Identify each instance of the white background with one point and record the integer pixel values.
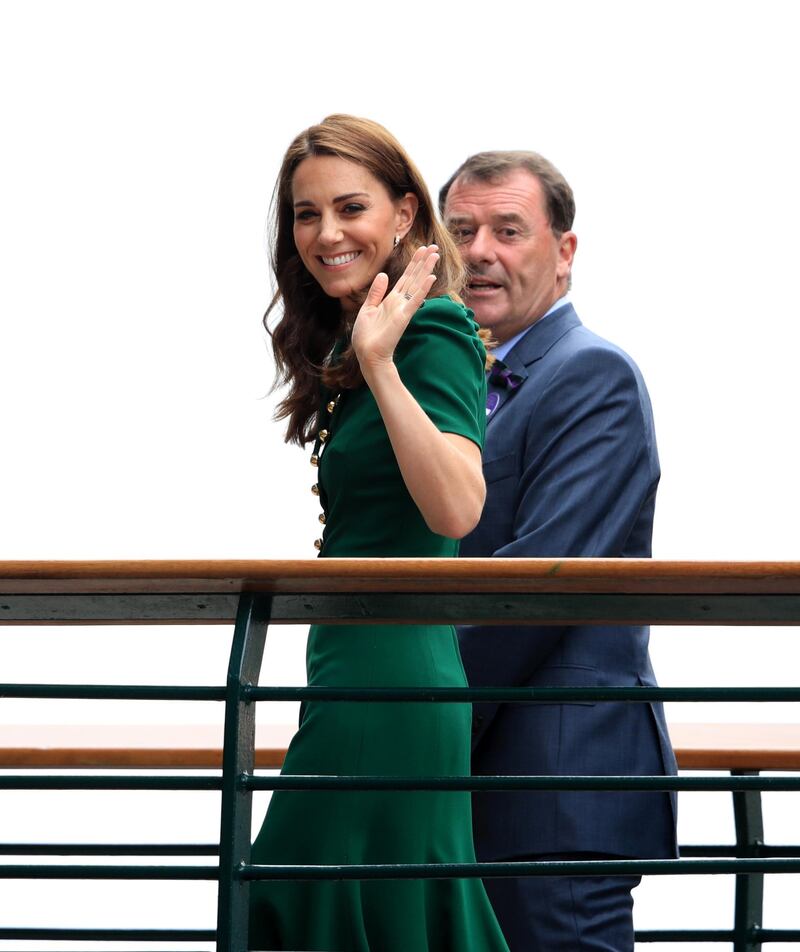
(140, 144)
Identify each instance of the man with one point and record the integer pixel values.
(571, 469)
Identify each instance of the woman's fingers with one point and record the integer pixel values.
(377, 290)
(383, 319)
(414, 268)
(418, 274)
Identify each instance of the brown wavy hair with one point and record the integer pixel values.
(311, 322)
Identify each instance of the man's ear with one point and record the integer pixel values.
(567, 244)
(406, 213)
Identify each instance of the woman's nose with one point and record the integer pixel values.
(329, 231)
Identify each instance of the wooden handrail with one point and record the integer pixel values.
(697, 746)
(129, 746)
(736, 746)
(288, 576)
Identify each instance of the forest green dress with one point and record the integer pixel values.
(370, 513)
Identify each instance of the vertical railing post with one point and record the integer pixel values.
(238, 758)
(749, 909)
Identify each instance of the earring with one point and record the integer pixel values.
(396, 240)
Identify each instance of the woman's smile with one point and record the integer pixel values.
(339, 261)
(345, 223)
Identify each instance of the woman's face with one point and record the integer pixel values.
(345, 224)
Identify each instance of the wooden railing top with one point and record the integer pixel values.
(58, 746)
(287, 576)
(736, 746)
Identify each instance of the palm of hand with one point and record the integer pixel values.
(384, 317)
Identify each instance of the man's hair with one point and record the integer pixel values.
(495, 166)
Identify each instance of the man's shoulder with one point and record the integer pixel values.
(578, 337)
(564, 343)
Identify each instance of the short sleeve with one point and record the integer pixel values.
(441, 360)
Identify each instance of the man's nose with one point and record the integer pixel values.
(481, 248)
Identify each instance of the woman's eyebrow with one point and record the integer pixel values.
(344, 198)
(338, 198)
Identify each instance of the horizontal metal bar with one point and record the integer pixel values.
(521, 695)
(510, 783)
(107, 782)
(557, 608)
(717, 935)
(109, 849)
(212, 849)
(541, 608)
(685, 935)
(147, 609)
(110, 935)
(35, 871)
(115, 692)
(364, 782)
(528, 695)
(760, 850)
(628, 867)
(624, 867)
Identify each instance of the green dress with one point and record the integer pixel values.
(369, 513)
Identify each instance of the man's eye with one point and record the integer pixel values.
(461, 234)
(509, 232)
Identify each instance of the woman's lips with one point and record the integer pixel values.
(339, 261)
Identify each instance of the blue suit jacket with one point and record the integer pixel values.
(571, 469)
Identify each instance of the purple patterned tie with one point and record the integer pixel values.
(500, 377)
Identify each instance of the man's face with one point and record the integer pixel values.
(518, 267)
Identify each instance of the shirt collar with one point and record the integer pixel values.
(502, 349)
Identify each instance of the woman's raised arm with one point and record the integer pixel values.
(442, 471)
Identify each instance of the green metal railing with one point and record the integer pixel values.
(348, 591)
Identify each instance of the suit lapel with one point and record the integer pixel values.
(532, 347)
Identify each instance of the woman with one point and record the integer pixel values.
(397, 439)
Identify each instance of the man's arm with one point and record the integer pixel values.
(590, 470)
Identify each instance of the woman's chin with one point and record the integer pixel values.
(350, 298)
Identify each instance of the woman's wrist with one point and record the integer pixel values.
(379, 374)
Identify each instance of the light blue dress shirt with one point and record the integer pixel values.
(502, 349)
